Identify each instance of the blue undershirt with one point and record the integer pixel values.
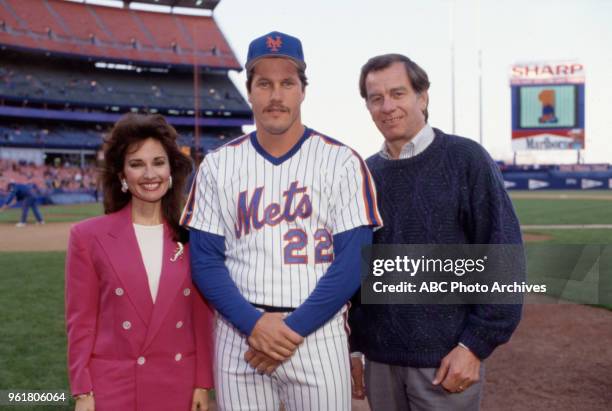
(335, 287)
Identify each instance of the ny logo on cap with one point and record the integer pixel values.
(274, 44)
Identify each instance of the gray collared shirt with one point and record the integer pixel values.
(414, 147)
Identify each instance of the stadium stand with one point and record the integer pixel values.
(57, 183)
(52, 177)
(114, 33)
(50, 136)
(69, 70)
(44, 79)
(68, 136)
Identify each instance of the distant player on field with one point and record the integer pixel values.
(278, 219)
(26, 193)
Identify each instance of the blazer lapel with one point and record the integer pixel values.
(172, 277)
(122, 249)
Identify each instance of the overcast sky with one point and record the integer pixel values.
(339, 36)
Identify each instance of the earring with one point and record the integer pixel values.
(169, 182)
(124, 186)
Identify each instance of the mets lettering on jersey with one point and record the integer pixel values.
(278, 215)
(248, 213)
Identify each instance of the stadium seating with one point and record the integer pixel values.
(91, 137)
(114, 33)
(68, 70)
(48, 80)
(50, 136)
(48, 178)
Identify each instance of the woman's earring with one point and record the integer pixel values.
(124, 186)
(169, 182)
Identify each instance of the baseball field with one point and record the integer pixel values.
(560, 358)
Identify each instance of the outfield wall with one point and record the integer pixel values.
(557, 180)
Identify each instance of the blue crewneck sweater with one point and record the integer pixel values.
(451, 193)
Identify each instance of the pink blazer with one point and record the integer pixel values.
(133, 354)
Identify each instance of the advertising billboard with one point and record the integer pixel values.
(547, 106)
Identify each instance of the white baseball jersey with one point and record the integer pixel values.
(278, 215)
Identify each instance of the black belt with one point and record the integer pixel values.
(271, 309)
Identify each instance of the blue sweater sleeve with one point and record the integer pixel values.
(336, 286)
(492, 220)
(211, 276)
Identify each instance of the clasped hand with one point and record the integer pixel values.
(271, 342)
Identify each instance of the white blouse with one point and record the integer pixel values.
(151, 243)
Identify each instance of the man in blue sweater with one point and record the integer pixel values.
(433, 188)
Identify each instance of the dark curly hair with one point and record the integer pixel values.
(135, 129)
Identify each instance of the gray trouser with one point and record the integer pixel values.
(397, 388)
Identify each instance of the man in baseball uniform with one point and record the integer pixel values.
(278, 218)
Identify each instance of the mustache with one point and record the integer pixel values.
(276, 107)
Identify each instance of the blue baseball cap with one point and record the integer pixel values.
(276, 44)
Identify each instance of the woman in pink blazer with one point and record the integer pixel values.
(139, 333)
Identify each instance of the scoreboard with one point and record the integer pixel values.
(547, 106)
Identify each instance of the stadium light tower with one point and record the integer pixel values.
(479, 28)
(452, 57)
(196, 106)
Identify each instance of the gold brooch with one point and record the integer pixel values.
(179, 251)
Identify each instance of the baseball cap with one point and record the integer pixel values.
(276, 44)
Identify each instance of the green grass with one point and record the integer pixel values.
(530, 210)
(571, 272)
(32, 332)
(570, 211)
(55, 213)
(578, 273)
(553, 262)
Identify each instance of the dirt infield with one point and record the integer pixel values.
(533, 237)
(560, 358)
(54, 237)
(33, 237)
